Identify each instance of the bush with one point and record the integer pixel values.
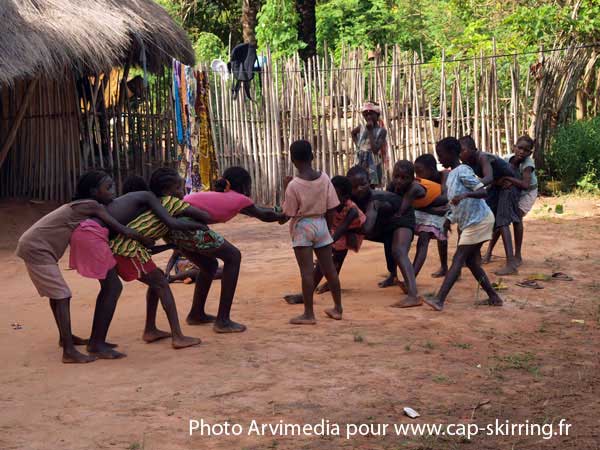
(208, 47)
(574, 155)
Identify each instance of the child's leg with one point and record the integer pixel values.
(339, 257)
(421, 254)
(473, 262)
(106, 303)
(511, 265)
(159, 284)
(151, 332)
(402, 239)
(443, 252)
(207, 268)
(304, 257)
(519, 229)
(327, 266)
(232, 259)
(62, 316)
(390, 263)
(488, 254)
(437, 302)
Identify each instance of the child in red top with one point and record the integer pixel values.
(346, 223)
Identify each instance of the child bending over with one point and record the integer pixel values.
(46, 241)
(475, 221)
(309, 198)
(346, 225)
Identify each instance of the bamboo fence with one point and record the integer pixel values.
(321, 101)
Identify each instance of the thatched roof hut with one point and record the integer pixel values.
(55, 61)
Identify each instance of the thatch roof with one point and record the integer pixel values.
(49, 36)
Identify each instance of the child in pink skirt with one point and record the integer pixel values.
(346, 224)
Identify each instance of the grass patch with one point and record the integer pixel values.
(464, 346)
(135, 446)
(358, 337)
(518, 361)
(441, 379)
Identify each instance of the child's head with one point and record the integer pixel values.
(403, 175)
(371, 112)
(448, 151)
(166, 181)
(359, 179)
(301, 152)
(523, 148)
(343, 188)
(237, 179)
(95, 185)
(134, 183)
(426, 166)
(468, 150)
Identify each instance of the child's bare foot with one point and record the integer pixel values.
(408, 302)
(104, 351)
(304, 320)
(201, 319)
(334, 313)
(440, 273)
(507, 270)
(185, 341)
(492, 301)
(81, 341)
(294, 299)
(155, 335)
(75, 357)
(322, 289)
(433, 302)
(391, 280)
(228, 326)
(518, 261)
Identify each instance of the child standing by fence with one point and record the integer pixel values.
(309, 198)
(526, 181)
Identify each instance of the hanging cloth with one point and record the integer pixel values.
(177, 103)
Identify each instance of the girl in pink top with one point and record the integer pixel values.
(230, 198)
(311, 200)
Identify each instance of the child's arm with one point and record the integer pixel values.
(263, 214)
(161, 248)
(523, 184)
(171, 263)
(99, 211)
(350, 217)
(486, 168)
(416, 191)
(157, 208)
(371, 217)
(198, 215)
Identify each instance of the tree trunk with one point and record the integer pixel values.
(307, 27)
(249, 12)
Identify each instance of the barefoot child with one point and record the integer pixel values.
(346, 225)
(526, 181)
(45, 242)
(474, 219)
(92, 257)
(430, 219)
(370, 142)
(502, 200)
(309, 197)
(135, 263)
(230, 198)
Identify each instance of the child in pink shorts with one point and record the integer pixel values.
(309, 198)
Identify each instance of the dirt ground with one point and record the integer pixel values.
(534, 359)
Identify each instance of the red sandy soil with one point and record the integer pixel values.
(527, 360)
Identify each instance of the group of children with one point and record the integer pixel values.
(113, 238)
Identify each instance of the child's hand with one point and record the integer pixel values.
(447, 226)
(456, 200)
(146, 241)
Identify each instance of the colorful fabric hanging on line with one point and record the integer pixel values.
(196, 155)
